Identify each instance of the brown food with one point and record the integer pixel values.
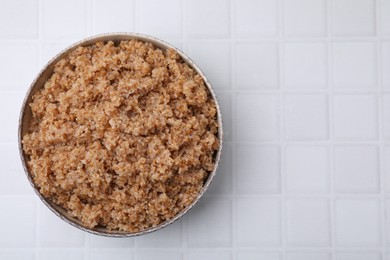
(122, 136)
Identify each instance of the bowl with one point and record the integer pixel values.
(26, 115)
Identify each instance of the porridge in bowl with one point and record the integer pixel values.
(122, 136)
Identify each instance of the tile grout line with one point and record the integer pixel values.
(214, 40)
(283, 232)
(183, 17)
(91, 20)
(380, 132)
(225, 248)
(135, 5)
(233, 85)
(330, 149)
(88, 13)
(309, 143)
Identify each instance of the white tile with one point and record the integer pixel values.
(19, 19)
(214, 60)
(225, 102)
(222, 182)
(354, 65)
(18, 218)
(386, 115)
(9, 159)
(202, 21)
(385, 18)
(308, 256)
(258, 169)
(357, 222)
(304, 17)
(177, 43)
(114, 17)
(54, 232)
(13, 180)
(50, 50)
(355, 117)
(257, 65)
(386, 63)
(307, 169)
(306, 117)
(159, 239)
(257, 255)
(160, 18)
(358, 256)
(209, 255)
(64, 19)
(21, 67)
(60, 254)
(17, 254)
(117, 254)
(256, 18)
(156, 254)
(387, 221)
(15, 183)
(308, 222)
(95, 241)
(258, 222)
(352, 174)
(209, 224)
(353, 18)
(305, 65)
(261, 113)
(10, 105)
(386, 157)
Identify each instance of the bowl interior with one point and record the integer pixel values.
(26, 115)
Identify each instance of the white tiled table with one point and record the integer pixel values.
(305, 90)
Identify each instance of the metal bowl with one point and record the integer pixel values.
(25, 117)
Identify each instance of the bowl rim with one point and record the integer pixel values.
(114, 36)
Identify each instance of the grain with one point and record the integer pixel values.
(122, 135)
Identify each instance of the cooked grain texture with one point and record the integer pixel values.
(122, 136)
